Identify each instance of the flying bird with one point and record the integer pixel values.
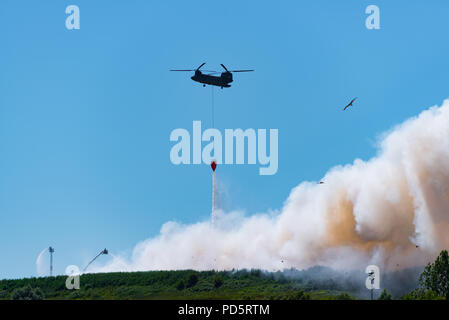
(350, 103)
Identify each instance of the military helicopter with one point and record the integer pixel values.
(221, 81)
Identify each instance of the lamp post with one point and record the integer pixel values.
(51, 250)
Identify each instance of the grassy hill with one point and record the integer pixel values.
(186, 284)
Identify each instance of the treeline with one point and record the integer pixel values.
(184, 284)
(313, 283)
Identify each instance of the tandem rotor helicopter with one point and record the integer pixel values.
(222, 81)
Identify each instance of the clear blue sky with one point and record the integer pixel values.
(85, 115)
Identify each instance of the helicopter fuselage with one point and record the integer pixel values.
(222, 81)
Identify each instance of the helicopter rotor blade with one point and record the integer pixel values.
(194, 70)
(212, 71)
(200, 66)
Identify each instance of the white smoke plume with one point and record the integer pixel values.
(392, 210)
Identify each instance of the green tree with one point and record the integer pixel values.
(218, 281)
(192, 280)
(180, 285)
(27, 293)
(344, 296)
(421, 294)
(298, 295)
(3, 294)
(384, 295)
(435, 276)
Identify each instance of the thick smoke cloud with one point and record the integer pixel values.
(392, 210)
